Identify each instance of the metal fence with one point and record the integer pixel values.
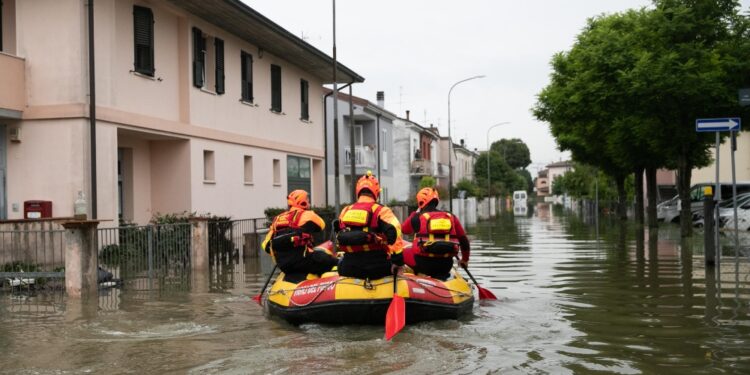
(145, 257)
(228, 243)
(31, 260)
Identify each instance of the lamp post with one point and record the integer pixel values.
(450, 141)
(489, 184)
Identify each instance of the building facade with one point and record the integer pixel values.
(373, 145)
(417, 154)
(200, 106)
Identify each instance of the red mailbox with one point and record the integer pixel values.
(37, 209)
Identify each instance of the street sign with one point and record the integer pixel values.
(744, 95)
(717, 124)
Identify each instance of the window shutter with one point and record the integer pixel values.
(247, 77)
(219, 51)
(143, 38)
(198, 58)
(276, 88)
(304, 99)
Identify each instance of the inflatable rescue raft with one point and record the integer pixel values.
(335, 299)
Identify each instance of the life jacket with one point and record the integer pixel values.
(437, 235)
(358, 227)
(288, 233)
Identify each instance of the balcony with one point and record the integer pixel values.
(421, 167)
(13, 94)
(364, 158)
(443, 170)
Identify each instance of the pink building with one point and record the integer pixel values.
(203, 106)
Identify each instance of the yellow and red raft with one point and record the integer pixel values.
(336, 299)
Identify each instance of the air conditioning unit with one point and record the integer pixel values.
(14, 134)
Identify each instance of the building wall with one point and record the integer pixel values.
(742, 161)
(156, 112)
(403, 155)
(47, 165)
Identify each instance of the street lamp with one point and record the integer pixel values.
(450, 141)
(489, 184)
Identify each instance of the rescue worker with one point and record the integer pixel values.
(289, 240)
(369, 234)
(438, 235)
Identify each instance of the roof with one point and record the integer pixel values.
(560, 164)
(251, 26)
(361, 102)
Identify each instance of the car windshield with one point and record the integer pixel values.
(741, 199)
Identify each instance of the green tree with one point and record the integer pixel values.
(626, 96)
(427, 181)
(503, 178)
(514, 151)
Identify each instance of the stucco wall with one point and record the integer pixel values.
(54, 50)
(742, 162)
(48, 164)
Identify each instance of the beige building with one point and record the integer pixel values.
(462, 163)
(203, 106)
(741, 157)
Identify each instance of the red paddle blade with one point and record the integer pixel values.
(395, 318)
(257, 299)
(485, 294)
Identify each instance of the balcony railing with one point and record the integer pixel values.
(364, 157)
(422, 167)
(13, 77)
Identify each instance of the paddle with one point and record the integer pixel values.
(268, 280)
(395, 318)
(483, 293)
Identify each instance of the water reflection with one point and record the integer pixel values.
(578, 295)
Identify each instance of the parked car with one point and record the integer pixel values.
(669, 211)
(725, 209)
(726, 220)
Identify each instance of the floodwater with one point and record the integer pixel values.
(573, 299)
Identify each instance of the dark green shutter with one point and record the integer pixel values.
(143, 37)
(247, 76)
(198, 57)
(305, 99)
(275, 88)
(219, 50)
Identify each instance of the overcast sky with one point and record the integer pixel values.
(414, 50)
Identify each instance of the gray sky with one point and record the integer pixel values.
(415, 50)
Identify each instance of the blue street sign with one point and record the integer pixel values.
(717, 124)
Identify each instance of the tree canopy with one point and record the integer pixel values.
(514, 151)
(626, 96)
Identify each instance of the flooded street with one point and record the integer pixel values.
(570, 302)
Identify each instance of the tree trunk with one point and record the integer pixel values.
(684, 172)
(651, 192)
(622, 199)
(639, 195)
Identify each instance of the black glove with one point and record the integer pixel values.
(397, 259)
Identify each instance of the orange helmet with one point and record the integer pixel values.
(368, 182)
(298, 198)
(426, 195)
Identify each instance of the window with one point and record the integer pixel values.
(304, 99)
(247, 76)
(297, 173)
(199, 58)
(276, 172)
(1, 26)
(276, 88)
(208, 55)
(248, 169)
(219, 52)
(143, 37)
(208, 166)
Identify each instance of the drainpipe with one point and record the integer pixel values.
(351, 145)
(377, 129)
(92, 109)
(325, 133)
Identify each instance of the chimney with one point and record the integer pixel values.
(462, 143)
(381, 99)
(407, 114)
